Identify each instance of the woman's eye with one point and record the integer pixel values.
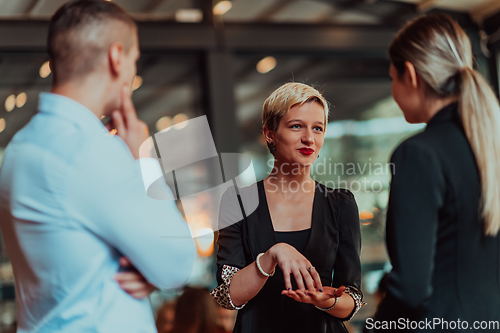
(295, 126)
(320, 129)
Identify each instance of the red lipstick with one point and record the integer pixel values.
(306, 151)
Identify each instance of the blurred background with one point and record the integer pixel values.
(223, 58)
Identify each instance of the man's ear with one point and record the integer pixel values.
(411, 73)
(115, 58)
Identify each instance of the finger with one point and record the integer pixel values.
(137, 287)
(286, 277)
(127, 106)
(319, 296)
(317, 280)
(141, 126)
(124, 262)
(146, 128)
(110, 124)
(130, 277)
(132, 289)
(339, 291)
(308, 279)
(300, 293)
(298, 279)
(133, 286)
(119, 123)
(292, 294)
(139, 295)
(316, 296)
(303, 296)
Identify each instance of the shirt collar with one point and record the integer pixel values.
(70, 110)
(446, 114)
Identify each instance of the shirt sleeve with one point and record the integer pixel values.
(221, 293)
(106, 194)
(416, 196)
(230, 255)
(347, 267)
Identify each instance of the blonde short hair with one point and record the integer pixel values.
(284, 98)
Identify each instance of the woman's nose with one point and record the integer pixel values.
(308, 137)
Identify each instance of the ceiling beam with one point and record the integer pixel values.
(308, 37)
(31, 35)
(23, 35)
(31, 6)
(486, 11)
(153, 5)
(426, 5)
(276, 7)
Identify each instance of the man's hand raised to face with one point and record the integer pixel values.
(132, 281)
(131, 129)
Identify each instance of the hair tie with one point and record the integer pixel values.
(452, 85)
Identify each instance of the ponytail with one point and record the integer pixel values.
(480, 114)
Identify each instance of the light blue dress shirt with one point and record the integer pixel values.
(72, 201)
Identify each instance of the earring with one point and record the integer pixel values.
(272, 149)
(317, 157)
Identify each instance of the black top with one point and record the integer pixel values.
(298, 239)
(333, 247)
(443, 264)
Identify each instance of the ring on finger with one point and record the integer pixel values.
(310, 268)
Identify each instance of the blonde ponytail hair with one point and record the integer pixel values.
(442, 55)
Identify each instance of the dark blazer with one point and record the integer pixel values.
(443, 265)
(333, 248)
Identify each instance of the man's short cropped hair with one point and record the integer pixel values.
(80, 33)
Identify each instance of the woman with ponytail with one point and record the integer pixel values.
(444, 208)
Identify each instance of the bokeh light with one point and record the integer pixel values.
(266, 65)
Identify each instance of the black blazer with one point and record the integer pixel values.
(443, 265)
(333, 248)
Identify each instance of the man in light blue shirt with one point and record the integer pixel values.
(72, 199)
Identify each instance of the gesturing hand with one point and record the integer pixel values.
(132, 130)
(132, 282)
(293, 262)
(320, 299)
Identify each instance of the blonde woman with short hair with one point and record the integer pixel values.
(293, 264)
(444, 207)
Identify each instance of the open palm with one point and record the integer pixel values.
(317, 298)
